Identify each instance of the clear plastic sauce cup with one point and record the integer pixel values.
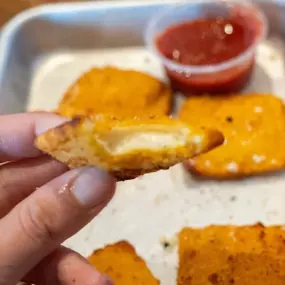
(195, 27)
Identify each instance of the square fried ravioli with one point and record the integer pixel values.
(122, 264)
(228, 255)
(254, 129)
(116, 91)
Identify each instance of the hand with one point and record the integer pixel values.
(41, 205)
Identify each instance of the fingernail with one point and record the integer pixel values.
(48, 121)
(93, 186)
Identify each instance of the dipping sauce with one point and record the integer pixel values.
(209, 42)
(205, 42)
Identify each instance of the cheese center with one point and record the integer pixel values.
(123, 140)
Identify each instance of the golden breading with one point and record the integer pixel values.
(254, 130)
(228, 255)
(129, 147)
(116, 92)
(122, 264)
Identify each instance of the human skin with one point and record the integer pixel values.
(42, 203)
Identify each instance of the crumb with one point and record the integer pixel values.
(233, 198)
(168, 244)
(165, 244)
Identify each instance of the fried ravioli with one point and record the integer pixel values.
(127, 148)
(254, 130)
(223, 255)
(122, 264)
(117, 92)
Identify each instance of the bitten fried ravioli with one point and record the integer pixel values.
(122, 264)
(231, 255)
(127, 148)
(115, 91)
(254, 130)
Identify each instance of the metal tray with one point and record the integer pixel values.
(44, 49)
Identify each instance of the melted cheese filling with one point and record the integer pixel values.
(123, 140)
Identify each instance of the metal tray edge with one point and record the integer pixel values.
(10, 29)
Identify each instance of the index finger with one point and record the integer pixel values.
(18, 132)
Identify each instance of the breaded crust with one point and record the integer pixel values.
(116, 91)
(102, 141)
(231, 255)
(254, 130)
(122, 264)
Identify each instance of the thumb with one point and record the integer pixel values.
(57, 210)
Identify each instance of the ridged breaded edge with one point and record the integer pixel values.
(49, 142)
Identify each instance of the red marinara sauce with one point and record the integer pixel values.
(208, 42)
